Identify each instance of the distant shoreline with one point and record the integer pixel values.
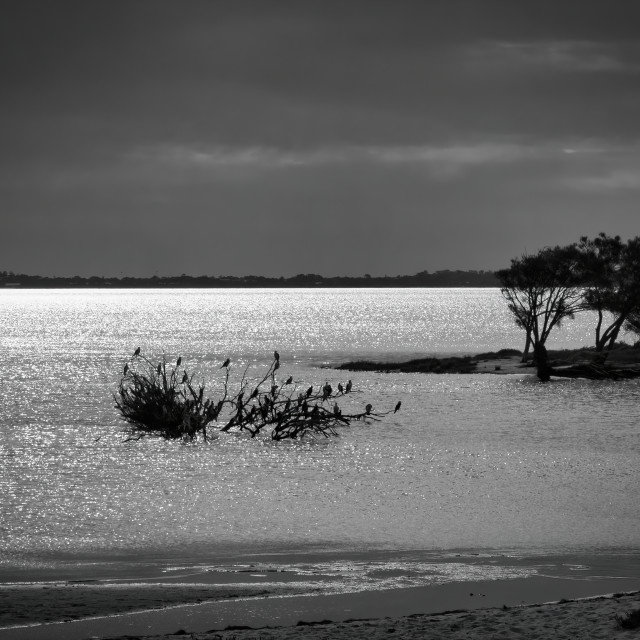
(424, 279)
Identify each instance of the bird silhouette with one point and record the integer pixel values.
(137, 352)
(368, 408)
(276, 355)
(185, 378)
(226, 363)
(289, 380)
(349, 385)
(309, 391)
(179, 362)
(398, 406)
(126, 368)
(340, 387)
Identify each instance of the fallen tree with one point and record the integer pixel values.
(594, 371)
(156, 399)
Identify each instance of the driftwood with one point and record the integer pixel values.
(593, 371)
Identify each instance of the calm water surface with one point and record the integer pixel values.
(478, 463)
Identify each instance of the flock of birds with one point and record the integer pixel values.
(327, 390)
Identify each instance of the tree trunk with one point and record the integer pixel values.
(527, 346)
(542, 362)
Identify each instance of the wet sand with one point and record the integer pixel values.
(505, 608)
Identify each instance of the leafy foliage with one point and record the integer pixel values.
(542, 290)
(155, 399)
(612, 283)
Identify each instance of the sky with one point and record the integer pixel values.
(338, 137)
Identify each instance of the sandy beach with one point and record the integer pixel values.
(586, 619)
(535, 607)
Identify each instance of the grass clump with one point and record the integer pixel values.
(630, 620)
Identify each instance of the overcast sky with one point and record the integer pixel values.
(273, 137)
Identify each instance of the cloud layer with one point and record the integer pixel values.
(355, 137)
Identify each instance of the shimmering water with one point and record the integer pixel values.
(471, 462)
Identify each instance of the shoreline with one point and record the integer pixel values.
(408, 607)
(535, 611)
(502, 362)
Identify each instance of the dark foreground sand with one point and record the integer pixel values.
(486, 609)
(585, 619)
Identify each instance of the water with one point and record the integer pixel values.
(500, 465)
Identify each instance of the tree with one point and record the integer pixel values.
(612, 279)
(157, 400)
(633, 323)
(542, 290)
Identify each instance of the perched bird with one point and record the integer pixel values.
(326, 391)
(254, 393)
(137, 352)
(336, 409)
(226, 363)
(185, 378)
(309, 391)
(348, 386)
(398, 406)
(368, 408)
(179, 362)
(276, 355)
(340, 387)
(126, 368)
(289, 380)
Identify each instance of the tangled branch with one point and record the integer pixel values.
(155, 399)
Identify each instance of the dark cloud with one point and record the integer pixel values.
(285, 137)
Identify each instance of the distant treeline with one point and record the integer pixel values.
(444, 278)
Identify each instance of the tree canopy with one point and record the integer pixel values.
(546, 288)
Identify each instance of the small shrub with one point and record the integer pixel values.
(156, 399)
